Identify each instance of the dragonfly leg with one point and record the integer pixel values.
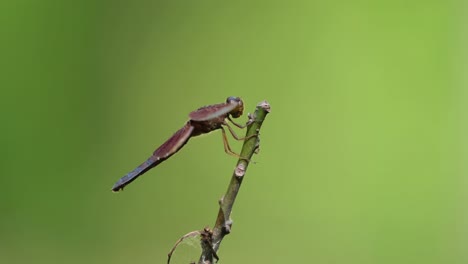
(239, 125)
(234, 135)
(227, 148)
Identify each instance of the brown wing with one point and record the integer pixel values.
(171, 146)
(212, 111)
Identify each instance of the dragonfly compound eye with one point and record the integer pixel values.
(236, 112)
(233, 99)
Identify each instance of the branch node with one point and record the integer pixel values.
(240, 170)
(257, 146)
(207, 242)
(227, 227)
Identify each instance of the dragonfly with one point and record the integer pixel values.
(202, 121)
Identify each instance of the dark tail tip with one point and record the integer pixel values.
(131, 176)
(120, 184)
(117, 188)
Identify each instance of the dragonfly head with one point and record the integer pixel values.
(239, 109)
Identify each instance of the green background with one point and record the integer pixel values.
(363, 157)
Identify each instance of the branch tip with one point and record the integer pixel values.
(265, 105)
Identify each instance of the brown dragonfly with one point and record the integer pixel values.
(202, 121)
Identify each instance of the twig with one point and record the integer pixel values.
(223, 221)
(206, 237)
(191, 234)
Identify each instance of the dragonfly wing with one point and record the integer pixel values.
(176, 142)
(212, 111)
(171, 146)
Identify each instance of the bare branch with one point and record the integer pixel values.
(223, 221)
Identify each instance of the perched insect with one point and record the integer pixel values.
(202, 121)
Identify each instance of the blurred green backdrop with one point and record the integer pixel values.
(363, 158)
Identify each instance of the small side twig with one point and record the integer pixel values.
(206, 236)
(223, 221)
(190, 234)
